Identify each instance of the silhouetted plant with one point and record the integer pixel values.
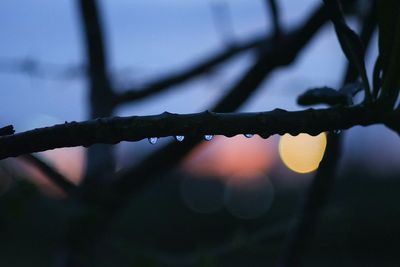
(103, 193)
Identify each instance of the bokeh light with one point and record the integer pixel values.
(249, 198)
(202, 194)
(302, 153)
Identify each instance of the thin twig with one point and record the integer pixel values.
(368, 28)
(35, 68)
(52, 174)
(275, 17)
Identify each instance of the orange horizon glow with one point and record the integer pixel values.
(232, 158)
(68, 161)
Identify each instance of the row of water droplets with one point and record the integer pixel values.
(180, 138)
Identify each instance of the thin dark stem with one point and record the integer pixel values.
(52, 174)
(275, 17)
(100, 159)
(368, 28)
(281, 53)
(43, 70)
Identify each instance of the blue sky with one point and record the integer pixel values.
(149, 38)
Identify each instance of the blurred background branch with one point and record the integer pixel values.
(51, 173)
(131, 207)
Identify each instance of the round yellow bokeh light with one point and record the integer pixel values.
(302, 153)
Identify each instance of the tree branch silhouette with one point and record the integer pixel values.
(173, 79)
(279, 53)
(275, 17)
(44, 70)
(7, 130)
(117, 129)
(322, 184)
(100, 160)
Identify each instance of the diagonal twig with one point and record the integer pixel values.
(176, 78)
(52, 174)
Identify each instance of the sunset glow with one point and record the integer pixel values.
(68, 161)
(236, 157)
(302, 153)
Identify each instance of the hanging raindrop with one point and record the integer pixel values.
(208, 137)
(248, 135)
(153, 140)
(179, 138)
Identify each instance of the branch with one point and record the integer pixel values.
(179, 77)
(280, 52)
(35, 68)
(368, 28)
(7, 130)
(53, 175)
(275, 17)
(316, 199)
(115, 130)
(350, 43)
(100, 160)
(322, 184)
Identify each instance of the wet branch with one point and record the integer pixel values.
(281, 52)
(117, 129)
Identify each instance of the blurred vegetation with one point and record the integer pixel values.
(359, 227)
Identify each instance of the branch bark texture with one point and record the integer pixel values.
(115, 130)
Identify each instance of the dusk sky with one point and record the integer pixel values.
(146, 39)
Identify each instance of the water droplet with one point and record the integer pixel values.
(179, 138)
(248, 135)
(208, 137)
(153, 140)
